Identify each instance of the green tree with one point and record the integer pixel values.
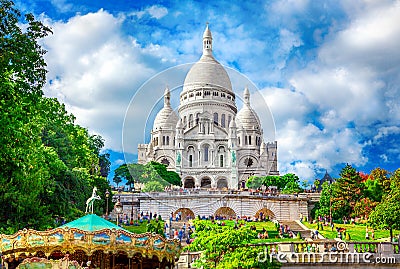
(324, 204)
(23, 173)
(123, 173)
(273, 181)
(170, 177)
(383, 178)
(254, 182)
(291, 183)
(364, 207)
(105, 164)
(373, 190)
(226, 247)
(155, 226)
(153, 186)
(346, 191)
(316, 183)
(386, 214)
(117, 179)
(49, 164)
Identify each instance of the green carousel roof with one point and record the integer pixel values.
(91, 223)
(89, 234)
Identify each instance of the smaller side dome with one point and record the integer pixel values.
(247, 118)
(166, 118)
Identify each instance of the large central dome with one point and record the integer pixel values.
(207, 71)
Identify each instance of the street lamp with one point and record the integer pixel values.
(107, 196)
(118, 209)
(136, 189)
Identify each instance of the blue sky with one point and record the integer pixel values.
(328, 70)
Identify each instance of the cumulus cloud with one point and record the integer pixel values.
(96, 71)
(343, 96)
(156, 12)
(328, 72)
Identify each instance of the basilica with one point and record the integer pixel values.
(208, 142)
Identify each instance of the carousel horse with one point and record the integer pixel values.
(90, 201)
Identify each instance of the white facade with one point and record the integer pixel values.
(209, 143)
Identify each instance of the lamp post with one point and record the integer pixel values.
(118, 209)
(136, 189)
(132, 209)
(107, 196)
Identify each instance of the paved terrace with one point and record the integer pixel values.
(227, 203)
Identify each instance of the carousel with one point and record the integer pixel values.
(88, 242)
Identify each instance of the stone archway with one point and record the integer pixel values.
(189, 183)
(225, 212)
(185, 213)
(222, 183)
(206, 182)
(266, 213)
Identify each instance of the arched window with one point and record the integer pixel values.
(216, 118)
(197, 118)
(167, 140)
(206, 153)
(229, 119)
(223, 120)
(190, 120)
(221, 160)
(190, 160)
(184, 122)
(238, 140)
(249, 139)
(246, 140)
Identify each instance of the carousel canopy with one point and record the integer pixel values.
(90, 234)
(91, 223)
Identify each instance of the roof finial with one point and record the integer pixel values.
(207, 41)
(167, 97)
(246, 96)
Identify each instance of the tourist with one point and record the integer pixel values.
(372, 234)
(180, 235)
(366, 233)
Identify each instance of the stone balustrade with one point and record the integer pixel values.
(318, 252)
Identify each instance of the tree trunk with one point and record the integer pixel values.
(391, 234)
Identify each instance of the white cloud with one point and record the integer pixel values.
(155, 11)
(95, 71)
(119, 162)
(337, 98)
(385, 131)
(61, 5)
(333, 95)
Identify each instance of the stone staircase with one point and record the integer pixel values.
(296, 227)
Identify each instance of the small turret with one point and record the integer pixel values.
(207, 41)
(167, 98)
(246, 96)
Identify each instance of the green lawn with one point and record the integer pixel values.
(357, 232)
(268, 225)
(139, 229)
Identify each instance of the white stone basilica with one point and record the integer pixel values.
(209, 143)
